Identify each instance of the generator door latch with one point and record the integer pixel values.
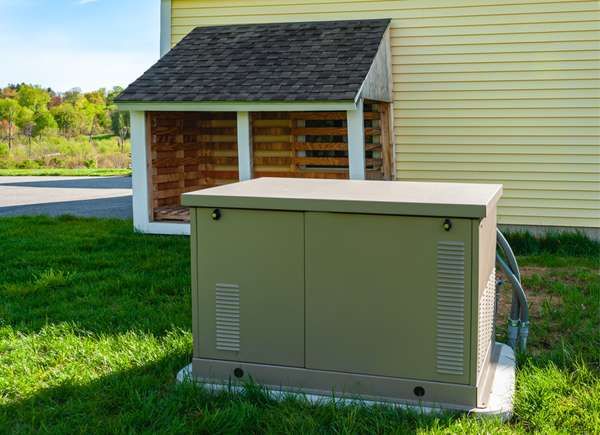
(216, 214)
(447, 224)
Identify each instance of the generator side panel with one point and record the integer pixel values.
(389, 296)
(249, 286)
(484, 312)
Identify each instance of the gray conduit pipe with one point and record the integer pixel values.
(518, 327)
(508, 252)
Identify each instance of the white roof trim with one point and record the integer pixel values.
(238, 106)
(378, 84)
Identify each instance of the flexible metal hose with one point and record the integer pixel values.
(518, 326)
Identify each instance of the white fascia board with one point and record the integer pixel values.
(174, 229)
(378, 85)
(165, 26)
(241, 106)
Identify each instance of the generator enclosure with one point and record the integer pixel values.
(372, 289)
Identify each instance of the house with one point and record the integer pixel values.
(492, 91)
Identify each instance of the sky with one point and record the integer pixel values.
(87, 44)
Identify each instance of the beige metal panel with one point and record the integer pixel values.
(249, 289)
(348, 385)
(381, 197)
(372, 299)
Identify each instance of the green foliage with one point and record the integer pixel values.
(573, 244)
(9, 109)
(28, 164)
(90, 163)
(72, 152)
(33, 97)
(64, 172)
(3, 150)
(43, 121)
(67, 118)
(96, 322)
(26, 118)
(42, 126)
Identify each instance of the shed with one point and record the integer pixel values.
(235, 102)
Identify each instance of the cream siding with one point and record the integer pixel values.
(499, 91)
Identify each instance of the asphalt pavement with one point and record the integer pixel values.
(104, 197)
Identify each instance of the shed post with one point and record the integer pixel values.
(244, 142)
(356, 142)
(140, 171)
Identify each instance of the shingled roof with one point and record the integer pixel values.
(311, 61)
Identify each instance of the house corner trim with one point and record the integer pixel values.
(165, 26)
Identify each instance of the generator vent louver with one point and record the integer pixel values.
(487, 310)
(227, 305)
(450, 325)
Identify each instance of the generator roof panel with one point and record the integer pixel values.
(352, 196)
(310, 61)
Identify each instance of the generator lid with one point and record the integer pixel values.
(352, 196)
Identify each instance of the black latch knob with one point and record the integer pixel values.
(447, 224)
(216, 214)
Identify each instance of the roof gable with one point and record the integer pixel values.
(315, 61)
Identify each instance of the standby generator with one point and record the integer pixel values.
(374, 290)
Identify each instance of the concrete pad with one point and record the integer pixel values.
(500, 403)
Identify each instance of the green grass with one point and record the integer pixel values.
(95, 323)
(65, 172)
(566, 244)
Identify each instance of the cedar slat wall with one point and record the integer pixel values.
(313, 144)
(190, 151)
(196, 150)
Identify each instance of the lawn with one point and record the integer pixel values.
(95, 323)
(87, 172)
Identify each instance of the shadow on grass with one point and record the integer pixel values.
(96, 273)
(147, 399)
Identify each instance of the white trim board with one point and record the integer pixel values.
(165, 228)
(139, 176)
(244, 143)
(165, 26)
(238, 106)
(356, 142)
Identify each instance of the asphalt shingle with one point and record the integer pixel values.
(314, 61)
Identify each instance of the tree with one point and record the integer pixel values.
(121, 126)
(91, 114)
(26, 123)
(67, 118)
(33, 97)
(42, 121)
(113, 94)
(96, 97)
(72, 96)
(9, 112)
(8, 92)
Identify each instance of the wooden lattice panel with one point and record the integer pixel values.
(313, 144)
(189, 151)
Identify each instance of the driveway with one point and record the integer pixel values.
(106, 197)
